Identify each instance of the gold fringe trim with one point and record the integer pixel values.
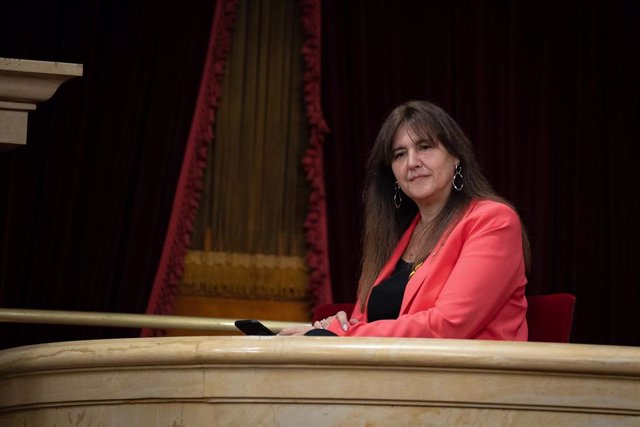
(237, 275)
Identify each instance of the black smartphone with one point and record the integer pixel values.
(253, 327)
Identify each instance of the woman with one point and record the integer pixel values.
(444, 256)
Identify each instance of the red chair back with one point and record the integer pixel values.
(549, 317)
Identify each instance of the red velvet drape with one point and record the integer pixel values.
(190, 185)
(316, 222)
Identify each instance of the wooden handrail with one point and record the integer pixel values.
(122, 320)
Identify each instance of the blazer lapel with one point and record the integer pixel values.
(420, 278)
(415, 283)
(432, 264)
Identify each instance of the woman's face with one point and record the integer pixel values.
(423, 168)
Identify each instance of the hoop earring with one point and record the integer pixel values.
(458, 176)
(397, 196)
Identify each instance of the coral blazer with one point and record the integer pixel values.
(471, 285)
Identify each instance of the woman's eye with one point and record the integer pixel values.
(424, 146)
(398, 154)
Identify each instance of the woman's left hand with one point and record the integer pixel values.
(342, 318)
(320, 324)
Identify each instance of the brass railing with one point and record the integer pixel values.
(85, 318)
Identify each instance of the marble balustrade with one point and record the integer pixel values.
(304, 381)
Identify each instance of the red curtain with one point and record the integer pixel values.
(189, 186)
(316, 222)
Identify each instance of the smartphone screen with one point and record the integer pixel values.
(253, 327)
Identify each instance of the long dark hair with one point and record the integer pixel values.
(384, 224)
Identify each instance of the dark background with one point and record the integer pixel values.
(84, 206)
(548, 93)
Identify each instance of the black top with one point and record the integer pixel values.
(386, 298)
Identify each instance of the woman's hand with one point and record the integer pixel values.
(342, 318)
(320, 324)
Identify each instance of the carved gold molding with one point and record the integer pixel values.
(236, 275)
